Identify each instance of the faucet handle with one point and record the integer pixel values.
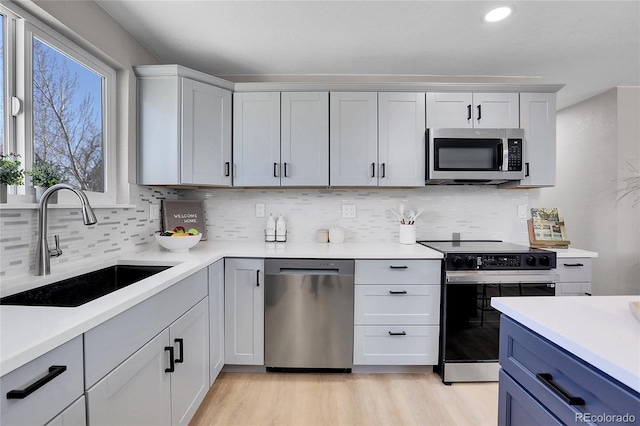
(56, 251)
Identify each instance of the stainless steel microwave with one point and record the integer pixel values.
(474, 156)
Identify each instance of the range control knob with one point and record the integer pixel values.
(470, 261)
(458, 262)
(545, 261)
(531, 260)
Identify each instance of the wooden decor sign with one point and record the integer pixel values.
(188, 214)
(546, 229)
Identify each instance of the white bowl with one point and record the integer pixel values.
(178, 244)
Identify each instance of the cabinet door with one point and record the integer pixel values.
(206, 134)
(538, 118)
(244, 311)
(74, 415)
(137, 392)
(401, 143)
(190, 382)
(216, 319)
(256, 139)
(449, 110)
(517, 407)
(305, 139)
(496, 111)
(353, 139)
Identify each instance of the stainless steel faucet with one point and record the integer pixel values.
(43, 253)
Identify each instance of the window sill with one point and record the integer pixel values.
(34, 206)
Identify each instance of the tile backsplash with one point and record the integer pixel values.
(473, 211)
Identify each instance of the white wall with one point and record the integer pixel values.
(595, 139)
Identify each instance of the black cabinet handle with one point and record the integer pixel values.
(54, 371)
(398, 292)
(469, 112)
(258, 277)
(180, 358)
(479, 112)
(227, 169)
(547, 380)
(384, 170)
(172, 365)
(572, 264)
(587, 294)
(402, 333)
(526, 168)
(398, 267)
(285, 170)
(275, 165)
(373, 169)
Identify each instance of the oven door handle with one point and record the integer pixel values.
(494, 278)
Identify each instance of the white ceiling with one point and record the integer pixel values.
(589, 46)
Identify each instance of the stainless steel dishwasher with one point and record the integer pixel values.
(308, 314)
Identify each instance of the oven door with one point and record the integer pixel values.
(470, 325)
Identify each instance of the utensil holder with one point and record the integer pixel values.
(407, 234)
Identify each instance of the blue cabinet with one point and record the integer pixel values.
(539, 375)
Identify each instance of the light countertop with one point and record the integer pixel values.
(600, 330)
(573, 252)
(30, 331)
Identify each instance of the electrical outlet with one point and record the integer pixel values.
(348, 211)
(260, 210)
(523, 211)
(154, 212)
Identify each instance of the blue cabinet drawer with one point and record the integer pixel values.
(516, 407)
(553, 377)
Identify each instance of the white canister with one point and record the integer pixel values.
(322, 236)
(407, 234)
(336, 235)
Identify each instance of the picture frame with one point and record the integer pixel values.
(547, 229)
(186, 213)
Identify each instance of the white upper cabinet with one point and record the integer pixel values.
(401, 139)
(473, 110)
(256, 139)
(538, 118)
(353, 139)
(304, 147)
(184, 128)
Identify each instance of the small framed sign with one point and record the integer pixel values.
(546, 229)
(185, 213)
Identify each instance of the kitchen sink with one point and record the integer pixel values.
(84, 288)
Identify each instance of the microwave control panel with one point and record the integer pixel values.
(514, 162)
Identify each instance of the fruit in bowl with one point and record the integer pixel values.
(178, 240)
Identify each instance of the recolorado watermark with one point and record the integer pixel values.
(605, 418)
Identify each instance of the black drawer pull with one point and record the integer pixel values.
(402, 333)
(227, 169)
(54, 371)
(258, 278)
(398, 292)
(172, 365)
(572, 264)
(398, 267)
(180, 358)
(547, 380)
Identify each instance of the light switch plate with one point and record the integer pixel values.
(523, 211)
(154, 212)
(348, 211)
(260, 210)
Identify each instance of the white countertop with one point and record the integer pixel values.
(600, 330)
(573, 252)
(27, 332)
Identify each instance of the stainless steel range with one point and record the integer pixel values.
(473, 273)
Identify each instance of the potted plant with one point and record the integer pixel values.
(43, 175)
(10, 173)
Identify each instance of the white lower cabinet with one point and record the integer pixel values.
(244, 311)
(74, 415)
(216, 319)
(396, 312)
(575, 276)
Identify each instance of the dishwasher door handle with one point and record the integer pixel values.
(295, 271)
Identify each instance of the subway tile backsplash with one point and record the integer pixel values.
(474, 211)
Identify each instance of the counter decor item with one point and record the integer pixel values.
(10, 173)
(184, 213)
(44, 175)
(336, 235)
(546, 229)
(407, 220)
(407, 233)
(322, 236)
(270, 229)
(281, 229)
(179, 240)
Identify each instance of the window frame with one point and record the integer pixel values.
(26, 28)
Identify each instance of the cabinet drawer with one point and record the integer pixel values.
(54, 396)
(397, 305)
(524, 354)
(395, 345)
(575, 269)
(113, 341)
(517, 407)
(573, 289)
(397, 271)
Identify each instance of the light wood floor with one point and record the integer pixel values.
(346, 399)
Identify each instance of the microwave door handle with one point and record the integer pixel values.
(500, 155)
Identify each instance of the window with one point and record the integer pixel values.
(67, 119)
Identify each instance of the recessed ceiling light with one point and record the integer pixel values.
(498, 14)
